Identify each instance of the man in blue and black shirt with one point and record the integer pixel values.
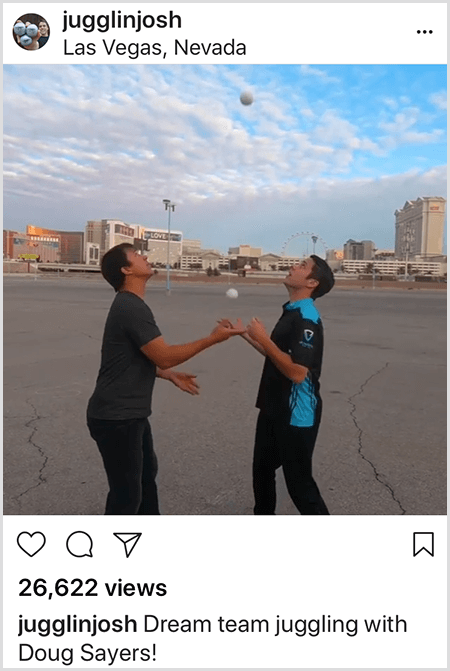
(288, 398)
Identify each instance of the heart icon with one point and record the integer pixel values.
(31, 544)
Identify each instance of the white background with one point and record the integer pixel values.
(274, 33)
(295, 567)
(243, 568)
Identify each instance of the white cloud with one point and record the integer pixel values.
(114, 141)
(321, 74)
(439, 99)
(422, 138)
(335, 131)
(401, 131)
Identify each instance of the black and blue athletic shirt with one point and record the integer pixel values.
(298, 332)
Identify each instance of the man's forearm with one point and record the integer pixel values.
(253, 343)
(164, 374)
(178, 354)
(293, 371)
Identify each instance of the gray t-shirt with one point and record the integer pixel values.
(126, 379)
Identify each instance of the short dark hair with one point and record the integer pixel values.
(115, 259)
(322, 272)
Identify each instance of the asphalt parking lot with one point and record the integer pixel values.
(381, 448)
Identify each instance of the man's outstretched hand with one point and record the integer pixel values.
(225, 329)
(255, 329)
(257, 332)
(185, 382)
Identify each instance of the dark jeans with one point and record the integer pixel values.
(279, 444)
(130, 462)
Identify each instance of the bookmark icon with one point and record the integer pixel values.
(129, 541)
(423, 541)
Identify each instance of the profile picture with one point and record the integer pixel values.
(31, 32)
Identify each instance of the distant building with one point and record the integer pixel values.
(395, 267)
(202, 259)
(8, 244)
(245, 255)
(278, 262)
(72, 246)
(246, 250)
(157, 246)
(384, 254)
(359, 251)
(97, 231)
(92, 252)
(140, 245)
(271, 261)
(93, 232)
(191, 246)
(442, 258)
(107, 233)
(419, 228)
(334, 255)
(45, 247)
(71, 243)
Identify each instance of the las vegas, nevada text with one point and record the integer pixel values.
(134, 50)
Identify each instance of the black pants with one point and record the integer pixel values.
(279, 444)
(130, 463)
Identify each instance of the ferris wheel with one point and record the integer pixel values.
(310, 243)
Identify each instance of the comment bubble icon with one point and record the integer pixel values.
(79, 544)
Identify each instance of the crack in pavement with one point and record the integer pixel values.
(16, 416)
(360, 434)
(21, 388)
(41, 479)
(89, 336)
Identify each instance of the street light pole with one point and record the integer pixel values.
(170, 207)
(7, 250)
(373, 270)
(407, 251)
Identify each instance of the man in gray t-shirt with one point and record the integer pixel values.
(133, 354)
(127, 377)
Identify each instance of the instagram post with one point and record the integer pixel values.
(224, 307)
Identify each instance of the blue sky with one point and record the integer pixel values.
(331, 150)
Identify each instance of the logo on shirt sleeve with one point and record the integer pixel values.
(307, 338)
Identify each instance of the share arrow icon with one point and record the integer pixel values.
(129, 541)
